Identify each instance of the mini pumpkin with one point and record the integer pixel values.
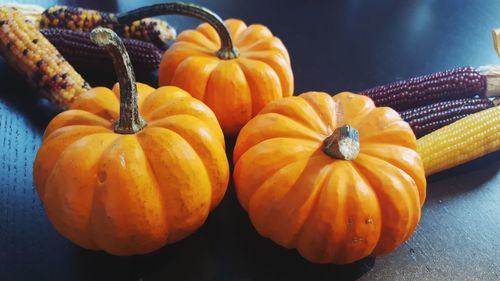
(233, 68)
(136, 186)
(334, 177)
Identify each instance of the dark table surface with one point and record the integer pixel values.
(334, 45)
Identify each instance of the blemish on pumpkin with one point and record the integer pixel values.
(369, 221)
(101, 176)
(357, 240)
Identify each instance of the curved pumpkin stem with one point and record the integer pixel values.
(343, 143)
(130, 121)
(227, 50)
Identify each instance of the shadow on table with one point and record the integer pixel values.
(464, 178)
(227, 247)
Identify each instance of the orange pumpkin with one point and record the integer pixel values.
(132, 188)
(233, 68)
(334, 177)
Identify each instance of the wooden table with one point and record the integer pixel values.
(334, 45)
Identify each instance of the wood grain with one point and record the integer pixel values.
(334, 46)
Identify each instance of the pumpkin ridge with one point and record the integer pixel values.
(386, 162)
(409, 172)
(413, 217)
(195, 83)
(248, 33)
(95, 232)
(153, 123)
(341, 101)
(294, 107)
(409, 141)
(248, 47)
(44, 198)
(236, 27)
(256, 91)
(193, 48)
(251, 90)
(274, 173)
(179, 95)
(59, 131)
(155, 179)
(285, 76)
(37, 173)
(187, 35)
(71, 114)
(329, 124)
(252, 136)
(146, 139)
(59, 158)
(205, 29)
(319, 187)
(213, 178)
(189, 144)
(300, 125)
(244, 165)
(232, 96)
(150, 115)
(178, 70)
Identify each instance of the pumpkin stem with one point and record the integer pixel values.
(227, 50)
(130, 121)
(343, 143)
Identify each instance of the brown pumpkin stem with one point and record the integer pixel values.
(227, 50)
(130, 121)
(343, 143)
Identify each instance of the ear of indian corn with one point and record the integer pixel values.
(446, 85)
(464, 140)
(156, 31)
(81, 52)
(32, 13)
(33, 56)
(428, 118)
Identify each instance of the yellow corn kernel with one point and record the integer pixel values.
(464, 140)
(34, 57)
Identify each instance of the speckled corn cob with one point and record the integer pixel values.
(152, 30)
(446, 85)
(32, 13)
(81, 52)
(464, 140)
(32, 55)
(428, 118)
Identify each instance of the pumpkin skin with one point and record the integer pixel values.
(330, 210)
(132, 193)
(235, 89)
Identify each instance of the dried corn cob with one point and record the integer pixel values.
(81, 52)
(152, 30)
(428, 118)
(464, 140)
(25, 48)
(32, 13)
(451, 84)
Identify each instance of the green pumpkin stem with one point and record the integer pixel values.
(343, 143)
(227, 50)
(130, 121)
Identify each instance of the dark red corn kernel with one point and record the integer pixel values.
(426, 119)
(451, 84)
(83, 53)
